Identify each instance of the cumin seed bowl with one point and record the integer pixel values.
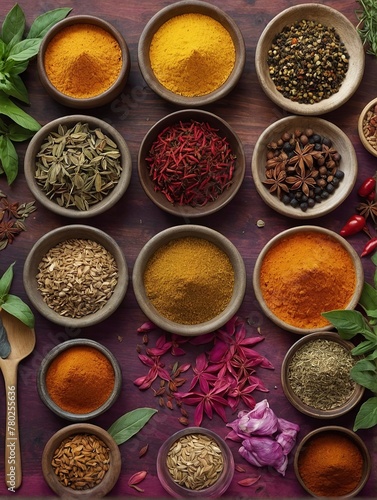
(77, 284)
(59, 195)
(367, 127)
(196, 283)
(348, 35)
(165, 465)
(328, 185)
(70, 99)
(331, 357)
(179, 9)
(153, 188)
(82, 431)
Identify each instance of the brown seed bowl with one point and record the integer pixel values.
(348, 164)
(177, 9)
(53, 354)
(348, 35)
(280, 237)
(51, 239)
(162, 239)
(178, 491)
(111, 476)
(295, 400)
(372, 150)
(334, 429)
(108, 201)
(225, 130)
(91, 102)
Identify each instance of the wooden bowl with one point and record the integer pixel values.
(50, 240)
(163, 238)
(372, 149)
(294, 399)
(111, 476)
(224, 130)
(108, 200)
(177, 9)
(91, 102)
(328, 17)
(348, 164)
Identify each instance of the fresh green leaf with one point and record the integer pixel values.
(14, 25)
(16, 133)
(5, 348)
(5, 283)
(130, 423)
(367, 415)
(17, 308)
(15, 67)
(8, 108)
(3, 48)
(364, 372)
(8, 158)
(364, 347)
(45, 21)
(368, 298)
(25, 50)
(348, 323)
(13, 86)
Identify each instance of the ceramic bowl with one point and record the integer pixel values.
(340, 142)
(295, 400)
(178, 491)
(57, 351)
(162, 239)
(108, 200)
(50, 240)
(279, 238)
(334, 430)
(110, 478)
(328, 17)
(224, 130)
(181, 8)
(91, 102)
(371, 144)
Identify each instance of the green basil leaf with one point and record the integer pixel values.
(8, 108)
(364, 372)
(45, 21)
(364, 347)
(18, 134)
(348, 323)
(8, 158)
(130, 423)
(5, 348)
(13, 86)
(367, 416)
(17, 308)
(14, 25)
(15, 67)
(5, 283)
(368, 298)
(25, 50)
(3, 127)
(3, 48)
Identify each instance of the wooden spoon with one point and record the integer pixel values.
(22, 341)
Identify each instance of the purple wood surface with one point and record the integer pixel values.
(134, 220)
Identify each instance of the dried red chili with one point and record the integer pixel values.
(355, 224)
(367, 187)
(369, 247)
(190, 163)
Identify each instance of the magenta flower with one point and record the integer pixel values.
(156, 369)
(163, 346)
(241, 391)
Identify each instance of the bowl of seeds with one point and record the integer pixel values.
(315, 376)
(97, 454)
(367, 127)
(76, 275)
(309, 59)
(303, 166)
(78, 166)
(178, 464)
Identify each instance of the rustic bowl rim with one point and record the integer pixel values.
(90, 102)
(52, 238)
(363, 140)
(226, 130)
(177, 232)
(327, 15)
(185, 7)
(348, 162)
(359, 271)
(110, 478)
(295, 400)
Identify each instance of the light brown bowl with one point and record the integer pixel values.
(360, 126)
(348, 35)
(180, 8)
(348, 164)
(91, 102)
(224, 130)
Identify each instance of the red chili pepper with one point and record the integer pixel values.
(354, 225)
(367, 187)
(369, 247)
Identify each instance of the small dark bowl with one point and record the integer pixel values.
(91, 102)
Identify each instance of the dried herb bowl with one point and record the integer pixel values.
(367, 127)
(63, 186)
(206, 180)
(304, 167)
(65, 287)
(329, 70)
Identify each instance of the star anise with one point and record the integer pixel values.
(10, 208)
(368, 209)
(276, 164)
(303, 182)
(8, 231)
(277, 183)
(303, 158)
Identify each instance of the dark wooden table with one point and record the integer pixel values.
(134, 220)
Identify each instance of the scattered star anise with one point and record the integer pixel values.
(368, 209)
(277, 183)
(12, 217)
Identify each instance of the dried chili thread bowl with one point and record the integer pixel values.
(318, 375)
(173, 487)
(110, 477)
(340, 142)
(225, 132)
(368, 131)
(181, 8)
(347, 32)
(169, 235)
